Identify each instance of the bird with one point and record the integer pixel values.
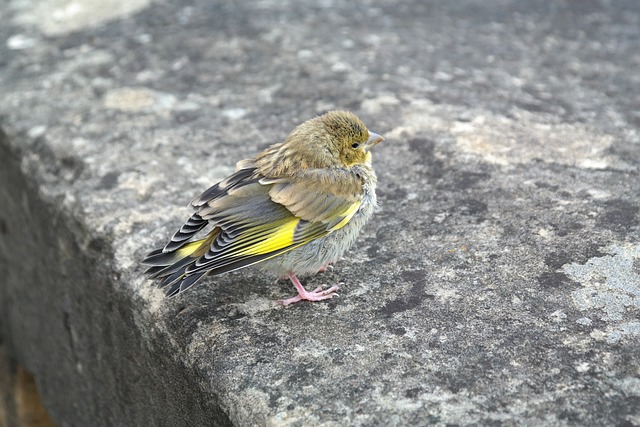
(292, 210)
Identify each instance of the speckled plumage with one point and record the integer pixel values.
(293, 209)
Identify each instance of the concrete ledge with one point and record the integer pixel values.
(98, 356)
(498, 283)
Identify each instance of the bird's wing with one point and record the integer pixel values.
(243, 176)
(259, 218)
(254, 219)
(328, 196)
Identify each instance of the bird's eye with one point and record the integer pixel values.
(355, 145)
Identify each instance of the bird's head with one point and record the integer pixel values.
(348, 138)
(336, 138)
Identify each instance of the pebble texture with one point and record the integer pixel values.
(499, 282)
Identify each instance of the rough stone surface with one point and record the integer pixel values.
(498, 283)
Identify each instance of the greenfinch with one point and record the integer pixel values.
(292, 210)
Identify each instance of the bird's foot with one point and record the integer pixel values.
(329, 265)
(325, 267)
(318, 294)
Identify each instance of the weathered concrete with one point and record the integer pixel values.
(498, 284)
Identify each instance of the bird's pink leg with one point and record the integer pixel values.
(318, 294)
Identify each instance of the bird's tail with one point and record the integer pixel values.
(171, 266)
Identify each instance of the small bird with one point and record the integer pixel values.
(294, 209)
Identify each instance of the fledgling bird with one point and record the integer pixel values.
(293, 209)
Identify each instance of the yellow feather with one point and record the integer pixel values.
(189, 249)
(281, 237)
(348, 214)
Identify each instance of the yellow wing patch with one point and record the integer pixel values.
(281, 237)
(348, 214)
(197, 248)
(267, 238)
(189, 248)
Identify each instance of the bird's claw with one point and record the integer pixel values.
(325, 267)
(318, 294)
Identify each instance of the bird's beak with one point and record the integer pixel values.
(374, 139)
